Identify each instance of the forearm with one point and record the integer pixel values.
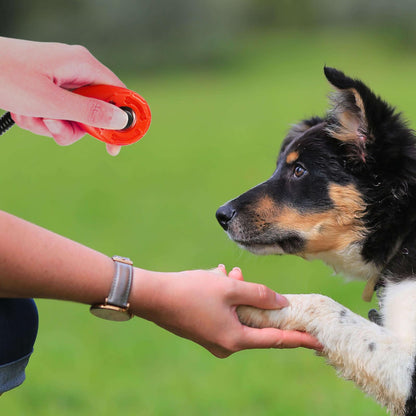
(35, 262)
(38, 263)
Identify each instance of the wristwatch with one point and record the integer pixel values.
(116, 305)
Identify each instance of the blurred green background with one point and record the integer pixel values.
(224, 80)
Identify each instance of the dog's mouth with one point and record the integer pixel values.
(261, 249)
(291, 243)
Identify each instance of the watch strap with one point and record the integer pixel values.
(122, 282)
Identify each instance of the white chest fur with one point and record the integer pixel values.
(348, 262)
(399, 311)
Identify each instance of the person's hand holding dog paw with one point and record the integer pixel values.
(288, 339)
(200, 305)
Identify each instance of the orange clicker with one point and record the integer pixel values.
(133, 104)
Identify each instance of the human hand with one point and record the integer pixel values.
(35, 83)
(290, 339)
(201, 306)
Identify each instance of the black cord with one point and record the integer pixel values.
(6, 122)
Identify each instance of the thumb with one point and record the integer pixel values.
(93, 112)
(260, 296)
(60, 104)
(44, 99)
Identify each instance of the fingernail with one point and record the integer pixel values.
(282, 301)
(119, 120)
(57, 130)
(237, 269)
(52, 125)
(113, 150)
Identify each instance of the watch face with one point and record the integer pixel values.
(111, 312)
(122, 260)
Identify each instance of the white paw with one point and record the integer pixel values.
(304, 313)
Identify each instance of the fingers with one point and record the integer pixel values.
(294, 339)
(260, 296)
(89, 111)
(276, 338)
(47, 100)
(34, 125)
(64, 132)
(68, 106)
(221, 268)
(254, 294)
(112, 149)
(236, 274)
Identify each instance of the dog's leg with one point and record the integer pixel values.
(379, 359)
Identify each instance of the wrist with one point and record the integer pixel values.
(148, 290)
(116, 306)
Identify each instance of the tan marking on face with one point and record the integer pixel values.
(343, 224)
(292, 157)
(266, 212)
(266, 206)
(331, 230)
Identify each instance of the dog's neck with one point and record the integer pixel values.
(348, 262)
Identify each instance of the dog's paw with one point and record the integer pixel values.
(259, 318)
(304, 313)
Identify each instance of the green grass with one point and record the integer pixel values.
(213, 135)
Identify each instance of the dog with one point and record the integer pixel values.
(344, 191)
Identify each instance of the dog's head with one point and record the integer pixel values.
(342, 183)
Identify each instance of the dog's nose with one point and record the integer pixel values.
(225, 214)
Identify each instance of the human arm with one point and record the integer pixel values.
(35, 83)
(199, 305)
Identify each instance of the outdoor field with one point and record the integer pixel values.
(214, 134)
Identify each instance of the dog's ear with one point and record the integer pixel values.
(356, 112)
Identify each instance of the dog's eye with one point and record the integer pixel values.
(298, 171)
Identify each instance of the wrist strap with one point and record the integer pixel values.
(122, 281)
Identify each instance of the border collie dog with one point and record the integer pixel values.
(344, 191)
